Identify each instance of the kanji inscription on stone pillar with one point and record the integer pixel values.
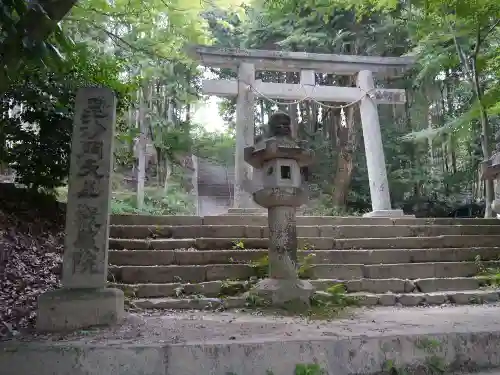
(85, 257)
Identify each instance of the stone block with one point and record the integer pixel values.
(258, 211)
(229, 272)
(208, 289)
(156, 290)
(316, 243)
(186, 258)
(353, 286)
(181, 304)
(440, 284)
(473, 297)
(387, 299)
(366, 299)
(232, 256)
(163, 274)
(456, 269)
(340, 257)
(387, 213)
(337, 271)
(409, 286)
(435, 298)
(387, 256)
(236, 220)
(154, 231)
(234, 232)
(228, 243)
(265, 232)
(255, 232)
(490, 296)
(141, 258)
(376, 286)
(150, 244)
(410, 299)
(155, 220)
(461, 298)
(72, 309)
(400, 271)
(309, 231)
(288, 294)
(181, 231)
(325, 284)
(234, 302)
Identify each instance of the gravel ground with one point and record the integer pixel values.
(160, 328)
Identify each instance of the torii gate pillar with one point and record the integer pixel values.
(247, 61)
(245, 119)
(374, 150)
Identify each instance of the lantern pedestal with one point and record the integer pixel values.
(290, 294)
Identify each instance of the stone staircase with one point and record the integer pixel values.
(187, 262)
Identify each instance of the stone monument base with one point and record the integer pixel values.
(288, 294)
(387, 213)
(72, 309)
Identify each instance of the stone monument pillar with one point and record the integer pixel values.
(280, 157)
(84, 300)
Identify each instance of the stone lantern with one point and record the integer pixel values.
(279, 158)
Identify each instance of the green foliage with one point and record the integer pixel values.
(306, 265)
(329, 304)
(489, 274)
(309, 369)
(216, 147)
(37, 140)
(25, 40)
(238, 245)
(174, 202)
(233, 288)
(261, 267)
(300, 369)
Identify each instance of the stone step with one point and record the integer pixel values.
(254, 231)
(301, 220)
(365, 299)
(213, 272)
(305, 243)
(214, 289)
(199, 257)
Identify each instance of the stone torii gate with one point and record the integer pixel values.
(246, 87)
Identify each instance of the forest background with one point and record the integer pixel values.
(433, 145)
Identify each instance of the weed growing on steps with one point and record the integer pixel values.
(179, 291)
(491, 275)
(304, 271)
(238, 245)
(300, 369)
(231, 288)
(261, 267)
(331, 303)
(324, 305)
(306, 266)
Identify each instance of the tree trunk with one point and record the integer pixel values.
(348, 142)
(489, 193)
(141, 150)
(166, 168)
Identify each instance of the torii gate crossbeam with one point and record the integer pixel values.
(245, 88)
